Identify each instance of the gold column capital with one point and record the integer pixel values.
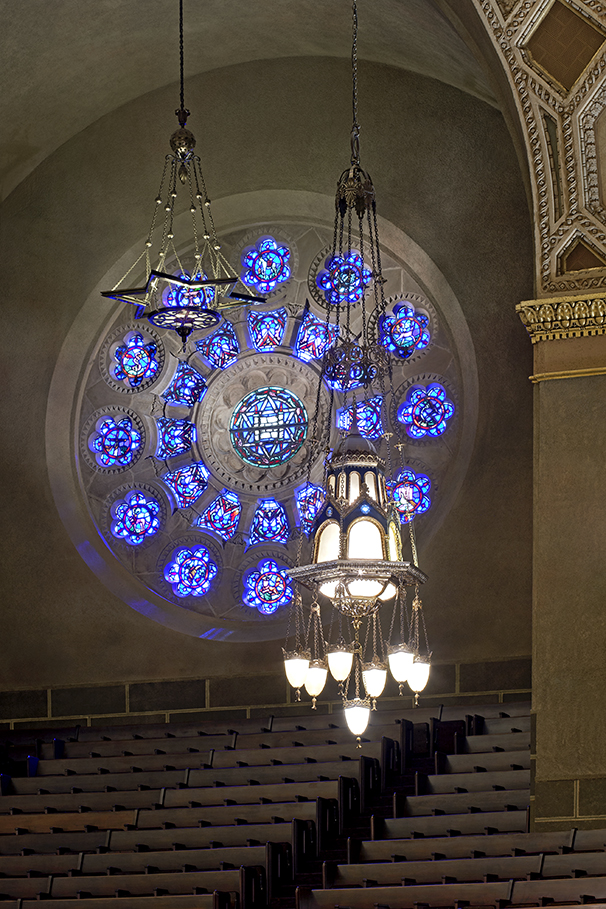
(556, 318)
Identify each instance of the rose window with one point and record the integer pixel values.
(268, 427)
(205, 488)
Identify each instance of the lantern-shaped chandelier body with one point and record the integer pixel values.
(357, 549)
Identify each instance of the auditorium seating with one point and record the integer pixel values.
(431, 810)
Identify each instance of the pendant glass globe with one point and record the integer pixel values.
(375, 676)
(339, 663)
(400, 662)
(419, 674)
(357, 714)
(296, 666)
(315, 680)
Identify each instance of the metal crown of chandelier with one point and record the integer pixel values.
(176, 294)
(356, 562)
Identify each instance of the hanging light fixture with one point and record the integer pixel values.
(187, 283)
(356, 550)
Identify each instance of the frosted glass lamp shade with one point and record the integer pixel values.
(419, 674)
(296, 665)
(400, 662)
(357, 714)
(339, 663)
(374, 676)
(315, 680)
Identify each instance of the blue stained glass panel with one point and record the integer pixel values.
(135, 518)
(267, 587)
(368, 417)
(180, 296)
(135, 361)
(410, 492)
(187, 387)
(268, 426)
(265, 265)
(187, 483)
(221, 348)
(222, 515)
(174, 437)
(314, 338)
(425, 411)
(191, 572)
(115, 444)
(266, 329)
(309, 499)
(404, 331)
(269, 523)
(344, 279)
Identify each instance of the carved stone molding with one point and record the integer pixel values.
(563, 317)
(578, 213)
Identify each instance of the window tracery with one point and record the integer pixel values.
(267, 329)
(222, 515)
(368, 417)
(267, 587)
(191, 572)
(265, 265)
(115, 444)
(135, 518)
(187, 483)
(344, 279)
(174, 437)
(269, 523)
(135, 361)
(314, 338)
(425, 411)
(404, 331)
(188, 387)
(221, 348)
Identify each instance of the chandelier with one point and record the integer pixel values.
(357, 562)
(188, 281)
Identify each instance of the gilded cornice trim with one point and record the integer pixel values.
(568, 374)
(579, 316)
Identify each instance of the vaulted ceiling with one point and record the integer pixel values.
(66, 63)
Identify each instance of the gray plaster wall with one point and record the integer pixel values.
(445, 172)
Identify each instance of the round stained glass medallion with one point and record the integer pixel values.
(268, 426)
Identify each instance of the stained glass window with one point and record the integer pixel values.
(187, 387)
(174, 437)
(268, 426)
(404, 331)
(267, 587)
(425, 411)
(410, 492)
(187, 483)
(135, 518)
(314, 338)
(115, 444)
(266, 329)
(309, 499)
(222, 515)
(179, 295)
(368, 417)
(265, 265)
(135, 361)
(191, 572)
(269, 523)
(221, 348)
(344, 279)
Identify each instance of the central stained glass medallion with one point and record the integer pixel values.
(268, 426)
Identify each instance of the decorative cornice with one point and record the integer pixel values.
(563, 317)
(568, 374)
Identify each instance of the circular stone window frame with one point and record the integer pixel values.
(88, 333)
